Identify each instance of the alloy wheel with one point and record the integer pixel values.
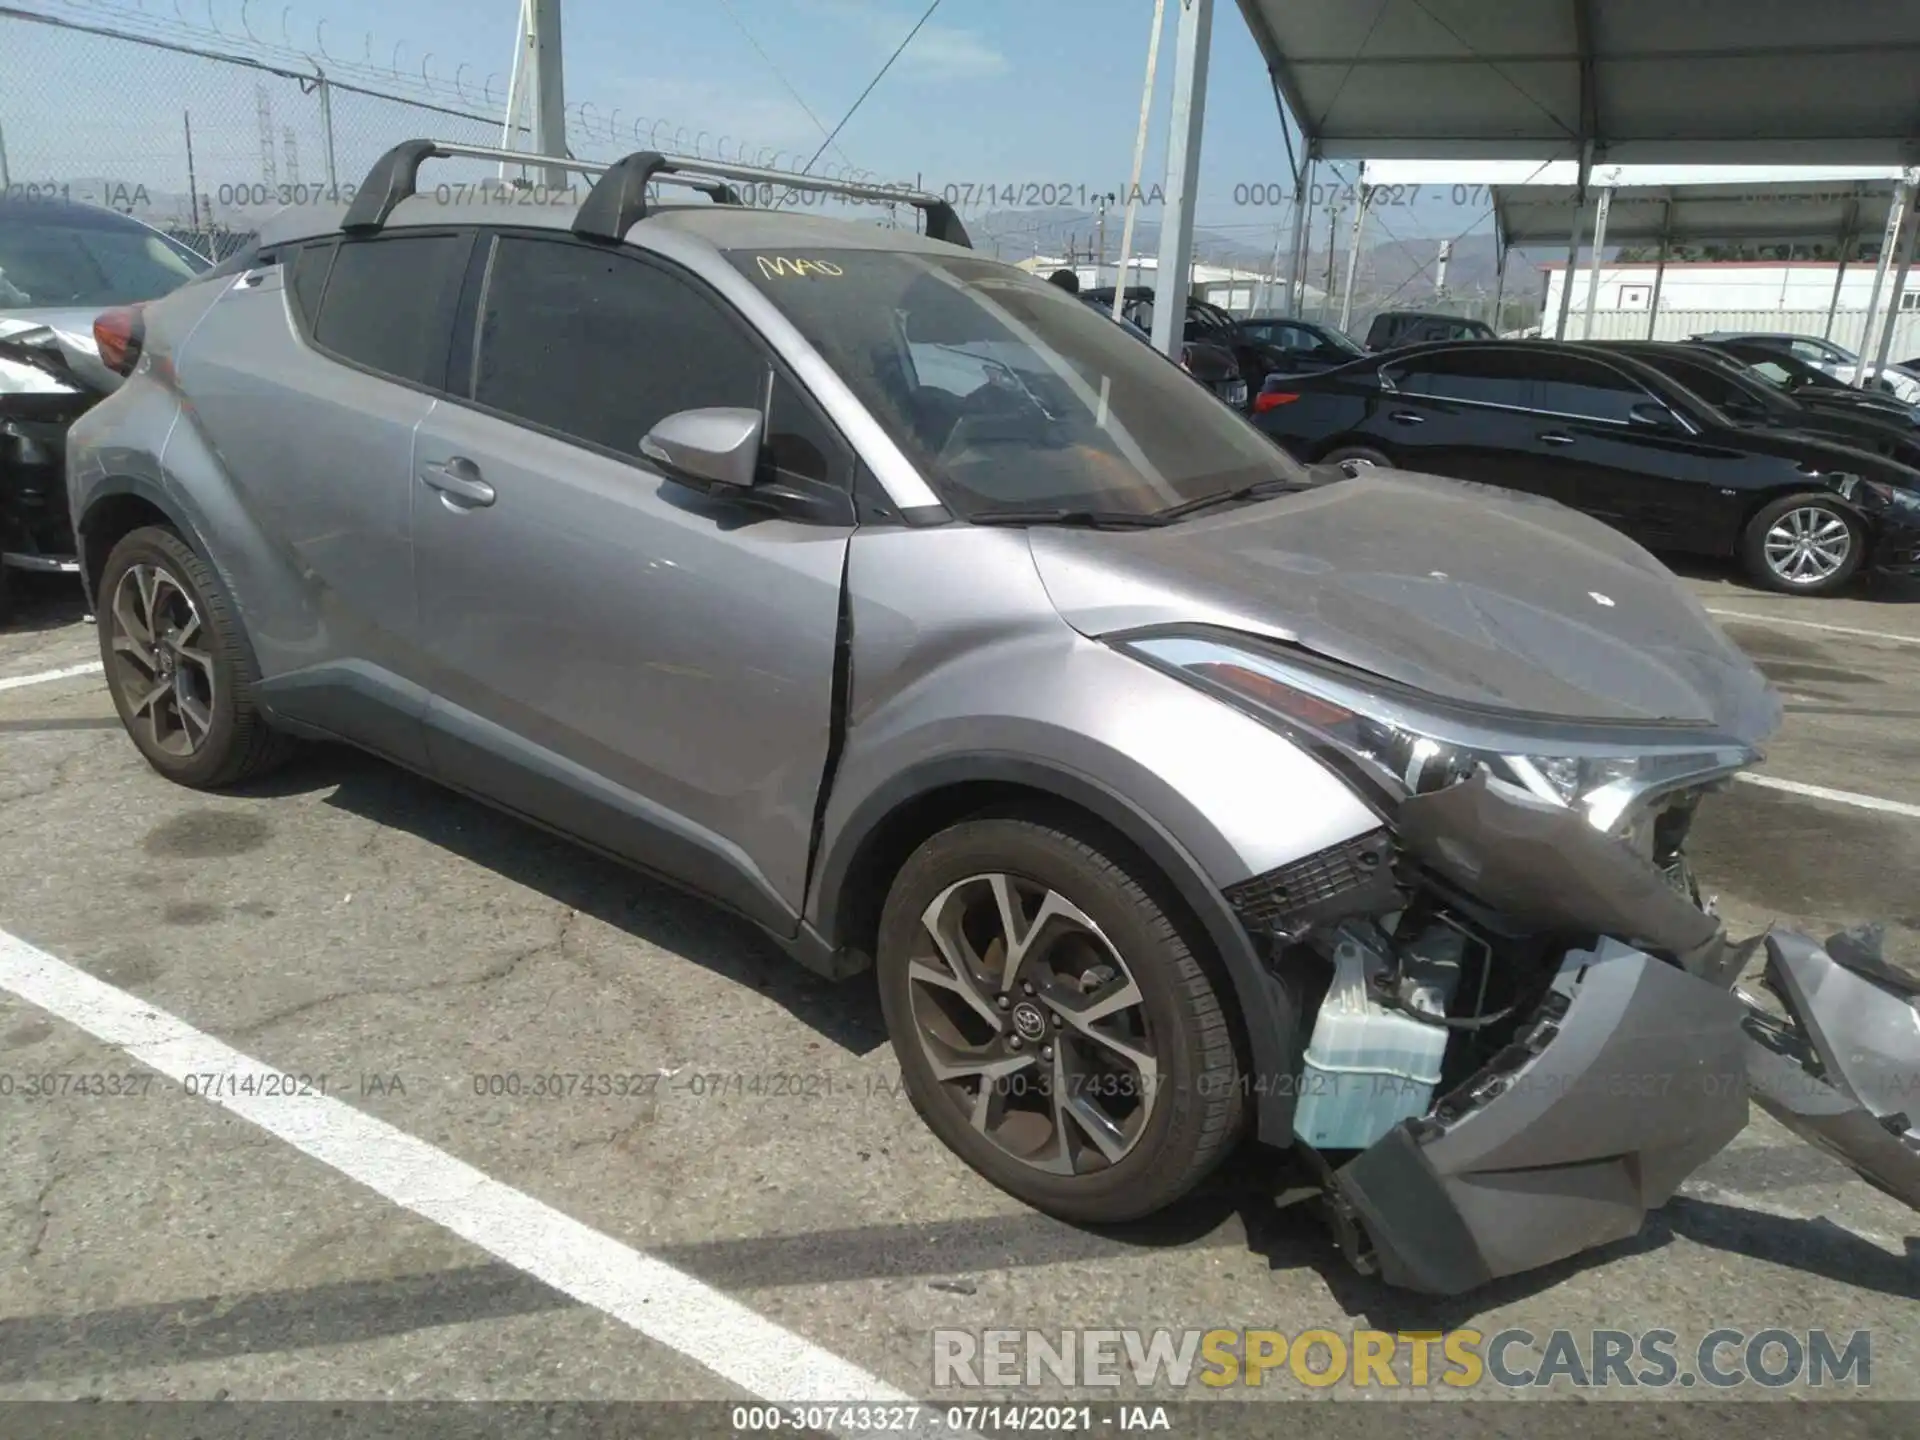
(162, 670)
(1808, 545)
(1032, 1024)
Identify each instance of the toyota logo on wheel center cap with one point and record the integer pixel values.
(1028, 1020)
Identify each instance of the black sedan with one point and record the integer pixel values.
(1607, 434)
(1747, 399)
(1811, 385)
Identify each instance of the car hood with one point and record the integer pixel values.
(1465, 592)
(50, 350)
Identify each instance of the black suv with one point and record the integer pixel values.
(1604, 433)
(1394, 328)
(1206, 325)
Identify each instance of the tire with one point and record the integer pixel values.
(1768, 556)
(204, 729)
(1352, 458)
(1162, 1137)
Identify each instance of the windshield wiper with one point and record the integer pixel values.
(1258, 490)
(1092, 519)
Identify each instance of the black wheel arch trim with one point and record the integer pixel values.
(137, 487)
(1269, 1019)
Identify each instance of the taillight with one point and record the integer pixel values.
(1273, 399)
(119, 334)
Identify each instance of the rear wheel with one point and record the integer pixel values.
(1803, 545)
(179, 669)
(1355, 458)
(1052, 1025)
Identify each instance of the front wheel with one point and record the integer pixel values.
(1355, 459)
(1803, 545)
(1052, 1025)
(178, 667)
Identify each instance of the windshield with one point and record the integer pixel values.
(1010, 394)
(47, 262)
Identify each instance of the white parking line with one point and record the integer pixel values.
(1838, 797)
(666, 1305)
(15, 682)
(1815, 625)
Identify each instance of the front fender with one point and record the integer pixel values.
(1209, 795)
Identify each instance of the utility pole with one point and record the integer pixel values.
(1100, 244)
(536, 86)
(193, 185)
(1333, 222)
(1440, 270)
(1353, 254)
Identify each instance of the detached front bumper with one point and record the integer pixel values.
(1633, 1068)
(1631, 1075)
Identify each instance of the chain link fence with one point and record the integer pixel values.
(207, 144)
(203, 145)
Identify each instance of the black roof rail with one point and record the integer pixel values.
(619, 198)
(395, 176)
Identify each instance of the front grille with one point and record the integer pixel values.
(1344, 879)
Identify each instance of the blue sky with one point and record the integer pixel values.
(990, 93)
(990, 90)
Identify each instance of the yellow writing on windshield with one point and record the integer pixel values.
(775, 266)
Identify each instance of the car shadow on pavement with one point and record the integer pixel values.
(1873, 589)
(848, 1014)
(1293, 1238)
(37, 603)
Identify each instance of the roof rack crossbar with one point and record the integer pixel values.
(395, 176)
(618, 199)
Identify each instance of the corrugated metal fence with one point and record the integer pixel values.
(1849, 326)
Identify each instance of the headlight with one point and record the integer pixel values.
(1406, 744)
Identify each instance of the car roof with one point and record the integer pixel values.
(18, 208)
(724, 227)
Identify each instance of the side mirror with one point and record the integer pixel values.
(1654, 417)
(720, 445)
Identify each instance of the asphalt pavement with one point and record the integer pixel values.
(731, 1195)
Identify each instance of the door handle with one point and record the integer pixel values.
(1407, 417)
(1554, 437)
(459, 480)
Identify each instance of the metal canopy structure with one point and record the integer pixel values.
(1802, 213)
(1790, 213)
(1619, 82)
(1628, 81)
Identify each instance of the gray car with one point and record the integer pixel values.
(1172, 793)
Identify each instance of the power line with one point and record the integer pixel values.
(818, 123)
(870, 84)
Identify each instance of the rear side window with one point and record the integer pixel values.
(387, 304)
(1486, 377)
(1584, 388)
(307, 270)
(600, 347)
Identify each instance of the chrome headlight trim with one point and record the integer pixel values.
(1408, 745)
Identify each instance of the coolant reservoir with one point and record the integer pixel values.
(1367, 1067)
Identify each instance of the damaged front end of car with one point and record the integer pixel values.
(1518, 1030)
(41, 395)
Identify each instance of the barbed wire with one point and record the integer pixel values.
(277, 34)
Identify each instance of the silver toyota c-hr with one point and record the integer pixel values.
(895, 599)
